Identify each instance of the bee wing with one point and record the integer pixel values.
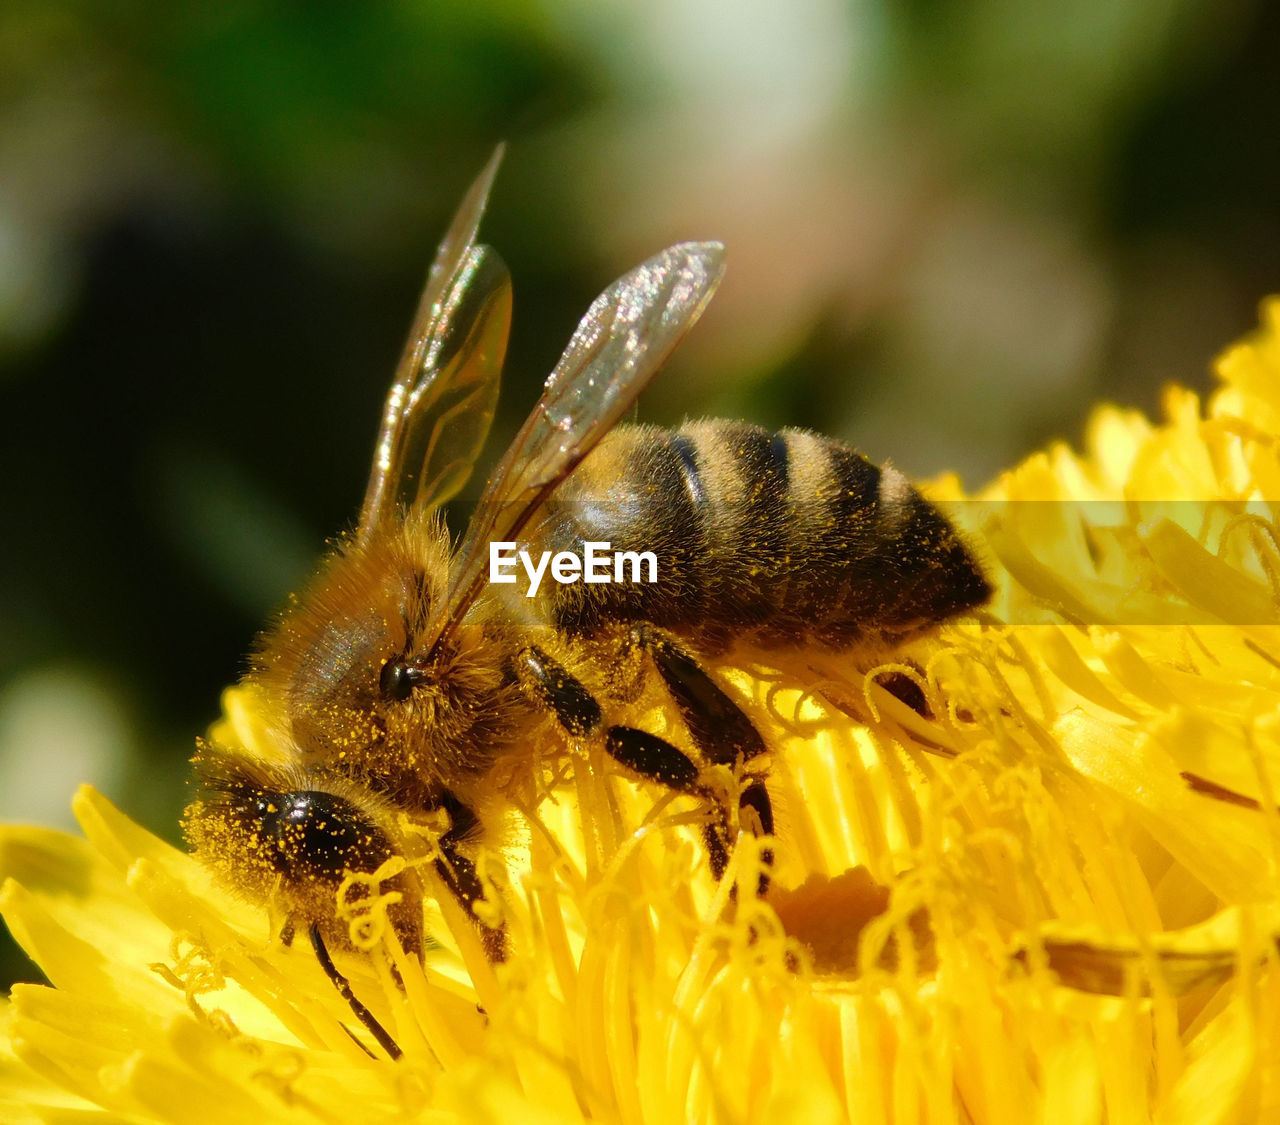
(438, 411)
(626, 336)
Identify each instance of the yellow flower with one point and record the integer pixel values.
(1026, 871)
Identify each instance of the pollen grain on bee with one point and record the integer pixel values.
(597, 563)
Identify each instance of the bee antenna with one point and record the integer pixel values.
(343, 986)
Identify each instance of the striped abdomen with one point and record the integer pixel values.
(787, 536)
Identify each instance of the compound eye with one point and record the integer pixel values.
(397, 680)
(318, 834)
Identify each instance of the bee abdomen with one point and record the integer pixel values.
(788, 536)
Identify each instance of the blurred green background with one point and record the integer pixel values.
(951, 227)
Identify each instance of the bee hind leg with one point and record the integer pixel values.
(719, 726)
(723, 733)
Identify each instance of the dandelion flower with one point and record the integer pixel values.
(1026, 870)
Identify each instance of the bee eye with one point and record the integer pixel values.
(320, 833)
(398, 679)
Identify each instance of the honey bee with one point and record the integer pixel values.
(410, 670)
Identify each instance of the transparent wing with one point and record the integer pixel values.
(438, 411)
(621, 343)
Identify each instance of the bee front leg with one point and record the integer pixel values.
(460, 876)
(723, 733)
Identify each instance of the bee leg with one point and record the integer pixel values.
(343, 986)
(721, 731)
(559, 691)
(653, 757)
(579, 713)
(646, 754)
(718, 726)
(460, 876)
(656, 759)
(755, 797)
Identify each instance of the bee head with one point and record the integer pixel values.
(275, 840)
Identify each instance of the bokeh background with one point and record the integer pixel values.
(952, 225)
